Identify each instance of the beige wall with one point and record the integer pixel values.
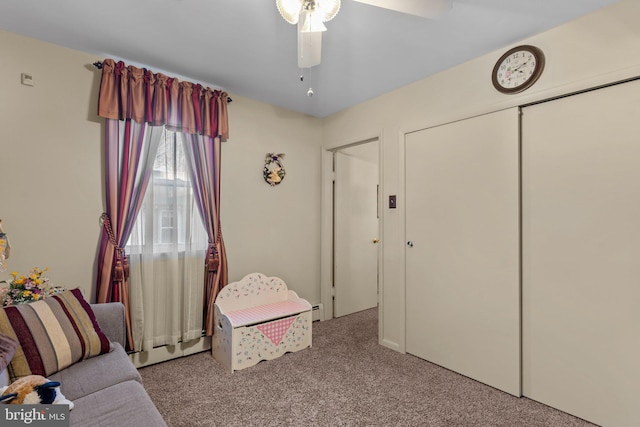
(272, 230)
(50, 154)
(50, 157)
(51, 192)
(593, 50)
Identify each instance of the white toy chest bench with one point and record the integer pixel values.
(258, 318)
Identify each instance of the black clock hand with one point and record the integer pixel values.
(520, 66)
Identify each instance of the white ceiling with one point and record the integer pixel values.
(246, 48)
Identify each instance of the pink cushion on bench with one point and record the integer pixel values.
(265, 312)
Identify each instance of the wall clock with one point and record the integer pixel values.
(518, 69)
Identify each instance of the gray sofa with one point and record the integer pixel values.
(107, 390)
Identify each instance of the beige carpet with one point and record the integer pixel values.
(345, 379)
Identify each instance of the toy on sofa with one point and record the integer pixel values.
(32, 390)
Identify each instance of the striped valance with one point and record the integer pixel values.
(132, 93)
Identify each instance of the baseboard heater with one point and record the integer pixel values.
(317, 312)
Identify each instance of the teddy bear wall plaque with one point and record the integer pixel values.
(273, 171)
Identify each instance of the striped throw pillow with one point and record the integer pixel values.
(52, 333)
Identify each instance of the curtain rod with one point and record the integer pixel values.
(98, 65)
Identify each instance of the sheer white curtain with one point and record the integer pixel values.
(166, 252)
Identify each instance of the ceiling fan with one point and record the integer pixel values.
(310, 16)
(425, 8)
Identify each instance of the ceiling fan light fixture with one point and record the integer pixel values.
(310, 16)
(328, 9)
(289, 10)
(312, 22)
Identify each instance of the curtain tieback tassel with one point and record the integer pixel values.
(213, 261)
(121, 269)
(118, 272)
(125, 267)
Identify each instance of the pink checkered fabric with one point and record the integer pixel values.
(275, 330)
(262, 313)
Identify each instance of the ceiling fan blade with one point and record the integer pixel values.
(309, 48)
(424, 8)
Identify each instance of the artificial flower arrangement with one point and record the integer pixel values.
(24, 289)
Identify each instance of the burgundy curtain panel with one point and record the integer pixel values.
(139, 99)
(130, 150)
(203, 159)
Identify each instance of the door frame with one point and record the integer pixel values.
(326, 223)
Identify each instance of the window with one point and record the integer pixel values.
(167, 226)
(166, 252)
(168, 219)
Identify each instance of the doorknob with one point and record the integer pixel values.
(410, 243)
(375, 240)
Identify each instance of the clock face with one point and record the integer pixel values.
(518, 69)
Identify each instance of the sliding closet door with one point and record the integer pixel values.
(581, 254)
(462, 262)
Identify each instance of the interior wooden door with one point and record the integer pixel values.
(581, 254)
(356, 229)
(462, 258)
